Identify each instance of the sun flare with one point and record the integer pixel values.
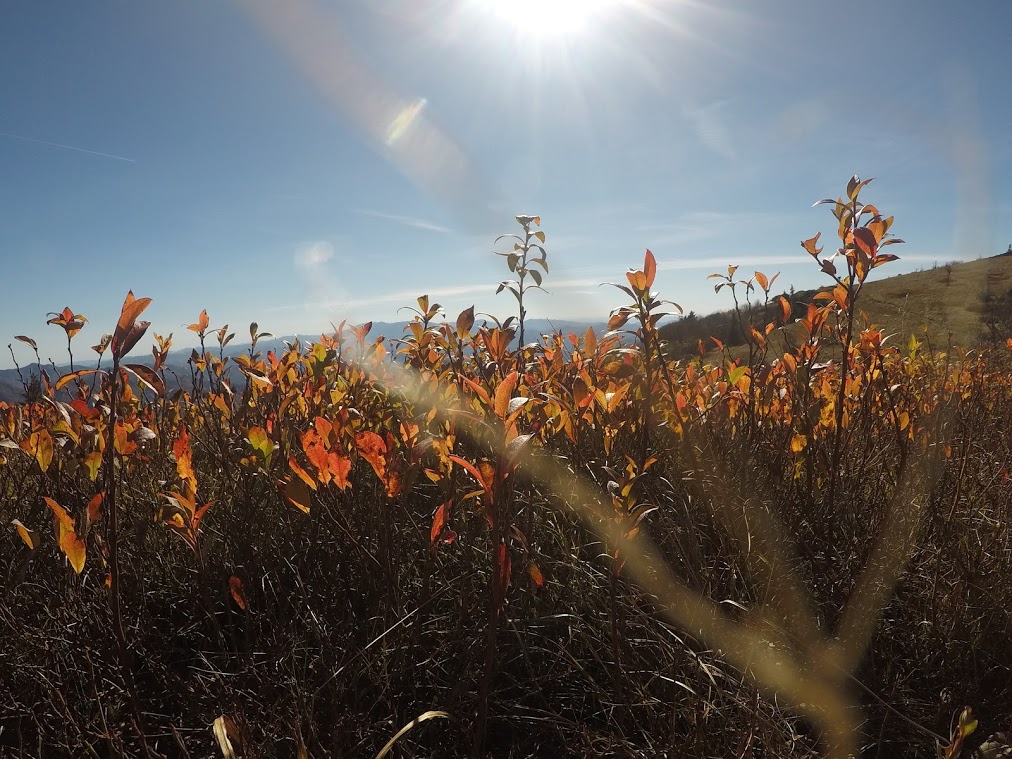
(549, 19)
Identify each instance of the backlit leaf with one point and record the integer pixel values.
(39, 445)
(72, 546)
(148, 376)
(649, 269)
(201, 324)
(504, 392)
(30, 537)
(220, 728)
(371, 447)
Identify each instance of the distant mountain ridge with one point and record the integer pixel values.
(966, 303)
(12, 387)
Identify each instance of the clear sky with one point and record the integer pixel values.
(306, 161)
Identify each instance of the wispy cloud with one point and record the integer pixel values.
(483, 289)
(66, 147)
(720, 261)
(405, 221)
(711, 126)
(313, 256)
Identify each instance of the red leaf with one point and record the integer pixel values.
(440, 533)
(235, 585)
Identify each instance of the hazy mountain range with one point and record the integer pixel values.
(12, 389)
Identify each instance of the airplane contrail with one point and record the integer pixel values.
(66, 147)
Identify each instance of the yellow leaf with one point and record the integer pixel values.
(798, 443)
(74, 548)
(93, 461)
(221, 731)
(30, 537)
(40, 447)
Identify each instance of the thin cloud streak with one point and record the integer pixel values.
(406, 221)
(66, 147)
(408, 296)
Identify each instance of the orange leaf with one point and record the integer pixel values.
(486, 486)
(201, 324)
(649, 269)
(535, 572)
(316, 452)
(372, 448)
(235, 585)
(71, 545)
(66, 379)
(324, 428)
(478, 389)
(439, 522)
(132, 308)
(785, 308)
(30, 537)
(123, 444)
(637, 279)
(392, 482)
(339, 467)
(74, 549)
(503, 394)
(302, 473)
(95, 508)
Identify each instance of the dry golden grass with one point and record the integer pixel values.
(946, 303)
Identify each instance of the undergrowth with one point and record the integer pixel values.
(572, 546)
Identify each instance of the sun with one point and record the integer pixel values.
(547, 20)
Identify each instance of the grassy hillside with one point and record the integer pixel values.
(967, 304)
(960, 299)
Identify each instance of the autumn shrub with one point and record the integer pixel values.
(574, 546)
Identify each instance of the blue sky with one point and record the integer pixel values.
(303, 162)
